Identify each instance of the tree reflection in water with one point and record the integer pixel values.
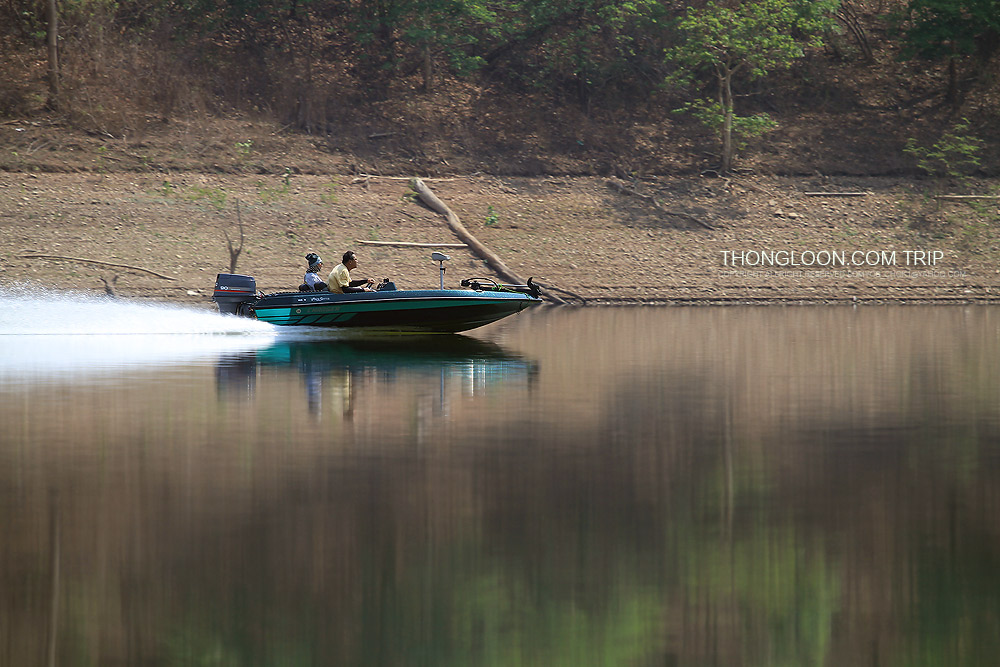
(744, 487)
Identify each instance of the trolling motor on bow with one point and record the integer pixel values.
(490, 285)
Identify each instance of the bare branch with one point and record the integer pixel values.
(234, 253)
(100, 263)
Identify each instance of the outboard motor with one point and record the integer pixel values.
(231, 290)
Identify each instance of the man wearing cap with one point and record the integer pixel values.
(340, 278)
(313, 283)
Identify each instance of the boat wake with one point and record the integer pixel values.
(70, 333)
(25, 312)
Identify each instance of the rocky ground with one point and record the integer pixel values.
(105, 221)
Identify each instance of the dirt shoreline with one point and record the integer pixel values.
(589, 241)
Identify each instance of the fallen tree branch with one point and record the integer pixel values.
(750, 186)
(481, 251)
(966, 197)
(100, 263)
(408, 244)
(618, 187)
(361, 177)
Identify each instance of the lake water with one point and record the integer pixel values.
(649, 486)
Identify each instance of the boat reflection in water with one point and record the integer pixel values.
(336, 371)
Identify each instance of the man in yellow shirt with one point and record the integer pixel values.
(340, 277)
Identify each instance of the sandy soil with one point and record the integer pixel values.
(164, 203)
(587, 240)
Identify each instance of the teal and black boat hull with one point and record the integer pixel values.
(400, 310)
(392, 310)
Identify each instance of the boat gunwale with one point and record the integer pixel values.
(307, 299)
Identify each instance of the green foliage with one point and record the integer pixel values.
(81, 11)
(945, 28)
(244, 148)
(586, 46)
(712, 115)
(750, 39)
(955, 154)
(395, 30)
(492, 219)
(544, 44)
(757, 37)
(24, 17)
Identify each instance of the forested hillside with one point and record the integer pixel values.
(524, 87)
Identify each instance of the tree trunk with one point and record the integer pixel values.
(848, 15)
(953, 79)
(726, 100)
(427, 64)
(52, 12)
(428, 69)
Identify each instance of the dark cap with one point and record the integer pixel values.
(313, 259)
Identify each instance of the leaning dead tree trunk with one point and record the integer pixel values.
(481, 251)
(461, 232)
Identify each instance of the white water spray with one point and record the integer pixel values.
(55, 333)
(35, 312)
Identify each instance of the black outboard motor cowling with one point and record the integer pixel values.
(231, 290)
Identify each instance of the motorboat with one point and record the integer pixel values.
(479, 302)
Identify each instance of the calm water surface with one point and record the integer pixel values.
(706, 486)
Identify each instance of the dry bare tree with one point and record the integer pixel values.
(234, 252)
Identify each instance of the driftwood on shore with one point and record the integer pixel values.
(461, 232)
(456, 226)
(99, 263)
(835, 194)
(410, 244)
(967, 197)
(362, 177)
